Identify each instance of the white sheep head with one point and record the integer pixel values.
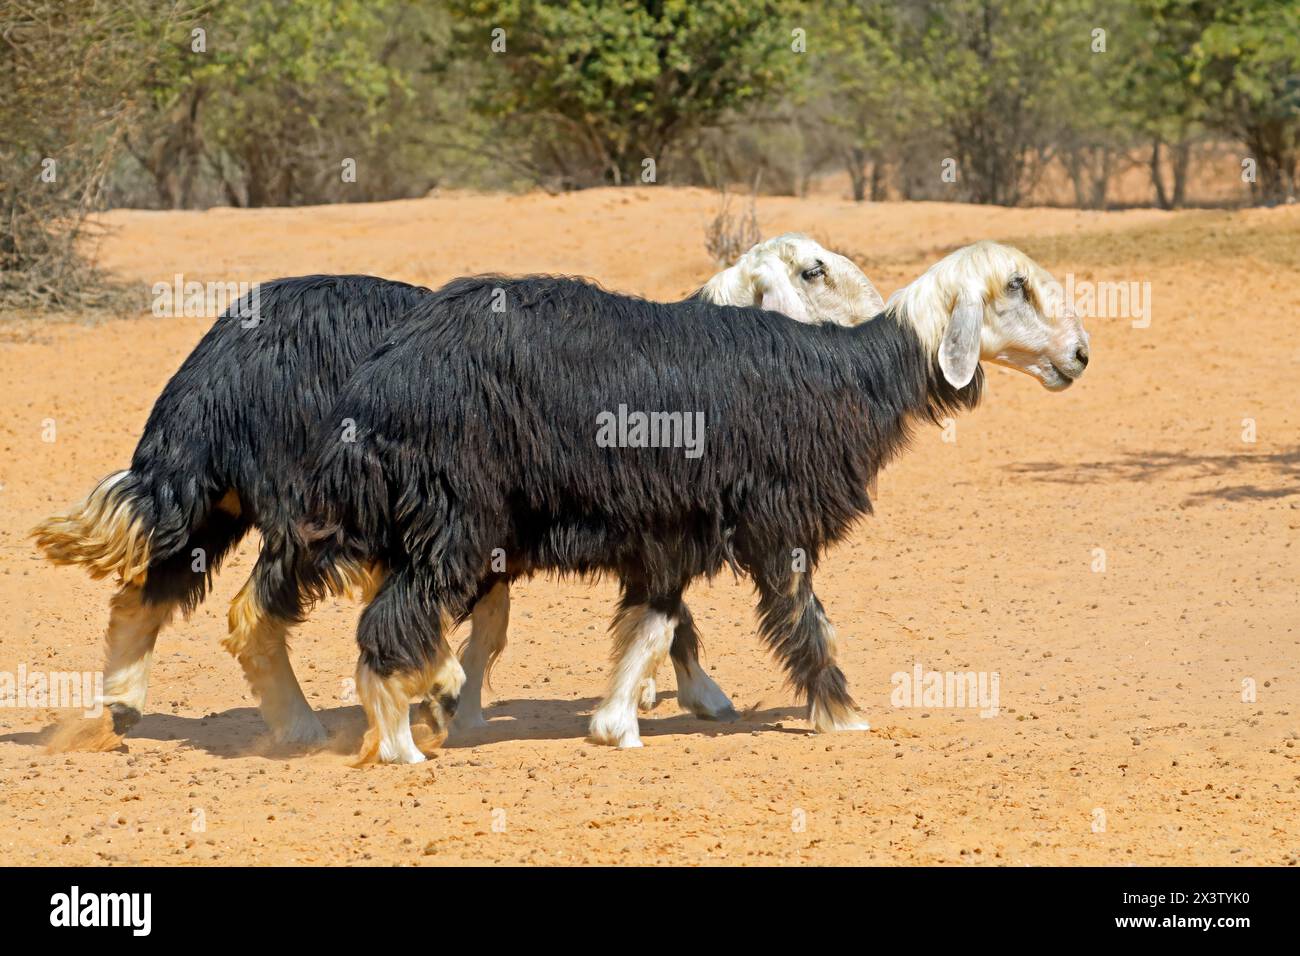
(990, 302)
(798, 277)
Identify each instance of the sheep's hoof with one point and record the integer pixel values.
(306, 731)
(714, 706)
(375, 750)
(727, 715)
(700, 694)
(853, 725)
(832, 718)
(124, 717)
(615, 729)
(406, 755)
(469, 720)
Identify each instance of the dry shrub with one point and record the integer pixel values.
(728, 236)
(68, 73)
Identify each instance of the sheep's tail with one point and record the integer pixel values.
(109, 532)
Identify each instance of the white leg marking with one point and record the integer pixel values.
(830, 718)
(827, 720)
(641, 638)
(487, 639)
(698, 693)
(387, 702)
(132, 630)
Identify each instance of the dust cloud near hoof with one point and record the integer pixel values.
(76, 732)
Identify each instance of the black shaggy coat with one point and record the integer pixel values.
(239, 413)
(223, 446)
(476, 430)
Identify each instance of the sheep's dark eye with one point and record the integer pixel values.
(1017, 284)
(816, 272)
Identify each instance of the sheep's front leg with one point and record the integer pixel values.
(794, 625)
(642, 637)
(405, 656)
(696, 690)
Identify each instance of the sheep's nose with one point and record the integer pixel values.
(1081, 355)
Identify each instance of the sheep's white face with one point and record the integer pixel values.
(1029, 326)
(798, 277)
(993, 303)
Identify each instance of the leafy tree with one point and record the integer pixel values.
(68, 76)
(166, 137)
(1090, 126)
(268, 97)
(1167, 109)
(299, 87)
(991, 63)
(615, 84)
(1247, 65)
(863, 90)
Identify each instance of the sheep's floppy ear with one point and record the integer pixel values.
(959, 353)
(847, 275)
(728, 287)
(776, 292)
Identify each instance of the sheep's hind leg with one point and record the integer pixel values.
(138, 612)
(794, 625)
(259, 641)
(642, 636)
(387, 703)
(133, 627)
(684, 641)
(487, 639)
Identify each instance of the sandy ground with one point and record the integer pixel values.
(1122, 734)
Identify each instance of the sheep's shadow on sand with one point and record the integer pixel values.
(1272, 467)
(239, 732)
